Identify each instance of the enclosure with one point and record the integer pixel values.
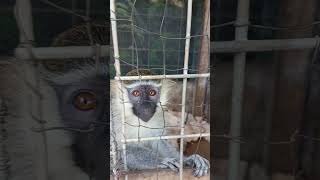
(143, 45)
(262, 73)
(149, 38)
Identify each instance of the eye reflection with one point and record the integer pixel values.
(85, 101)
(136, 93)
(152, 93)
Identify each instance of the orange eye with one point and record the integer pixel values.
(85, 101)
(136, 93)
(152, 93)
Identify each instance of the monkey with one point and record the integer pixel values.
(78, 99)
(76, 146)
(83, 103)
(144, 104)
(76, 102)
(193, 125)
(68, 154)
(70, 101)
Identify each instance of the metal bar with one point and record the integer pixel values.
(270, 105)
(47, 10)
(88, 23)
(113, 151)
(237, 90)
(73, 8)
(115, 37)
(203, 63)
(176, 76)
(236, 46)
(44, 53)
(118, 74)
(23, 15)
(166, 137)
(184, 88)
(262, 45)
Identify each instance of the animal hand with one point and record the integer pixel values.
(171, 163)
(200, 164)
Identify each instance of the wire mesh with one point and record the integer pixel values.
(135, 34)
(137, 53)
(137, 50)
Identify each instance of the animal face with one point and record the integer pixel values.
(144, 99)
(84, 104)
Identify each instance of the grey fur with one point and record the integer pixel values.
(149, 154)
(61, 164)
(21, 144)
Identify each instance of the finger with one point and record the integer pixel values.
(171, 163)
(207, 162)
(176, 164)
(197, 172)
(162, 166)
(173, 167)
(197, 161)
(205, 172)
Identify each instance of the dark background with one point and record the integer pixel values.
(281, 92)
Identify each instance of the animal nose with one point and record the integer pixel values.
(147, 110)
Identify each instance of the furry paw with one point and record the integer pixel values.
(171, 163)
(200, 164)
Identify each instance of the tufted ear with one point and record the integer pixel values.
(167, 88)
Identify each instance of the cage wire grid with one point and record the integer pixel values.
(23, 11)
(27, 40)
(26, 51)
(183, 76)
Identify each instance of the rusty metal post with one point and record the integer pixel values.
(237, 90)
(203, 64)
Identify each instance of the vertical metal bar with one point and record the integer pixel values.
(118, 73)
(73, 7)
(237, 90)
(181, 19)
(88, 23)
(23, 17)
(148, 27)
(113, 151)
(43, 168)
(184, 90)
(115, 37)
(270, 105)
(23, 14)
(203, 64)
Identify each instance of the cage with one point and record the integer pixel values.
(152, 35)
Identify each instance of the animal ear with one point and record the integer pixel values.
(168, 84)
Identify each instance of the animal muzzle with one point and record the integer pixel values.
(145, 111)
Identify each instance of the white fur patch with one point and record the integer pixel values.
(77, 75)
(139, 83)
